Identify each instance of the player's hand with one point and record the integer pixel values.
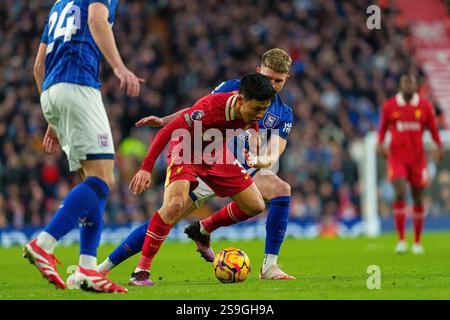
(383, 150)
(50, 141)
(150, 121)
(250, 159)
(129, 82)
(439, 154)
(140, 182)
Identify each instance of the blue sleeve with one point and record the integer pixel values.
(285, 125)
(44, 38)
(227, 86)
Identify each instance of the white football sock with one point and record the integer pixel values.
(269, 259)
(88, 262)
(46, 241)
(106, 265)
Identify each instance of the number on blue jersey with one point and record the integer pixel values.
(64, 24)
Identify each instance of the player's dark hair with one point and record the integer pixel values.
(256, 86)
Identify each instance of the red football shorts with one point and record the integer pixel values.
(415, 172)
(224, 179)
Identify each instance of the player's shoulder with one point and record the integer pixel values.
(280, 107)
(215, 100)
(424, 102)
(392, 101)
(228, 86)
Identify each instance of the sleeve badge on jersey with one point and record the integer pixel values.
(270, 121)
(197, 115)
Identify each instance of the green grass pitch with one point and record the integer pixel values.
(325, 269)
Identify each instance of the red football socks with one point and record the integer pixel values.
(157, 232)
(228, 215)
(400, 218)
(418, 218)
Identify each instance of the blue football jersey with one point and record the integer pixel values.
(72, 54)
(277, 119)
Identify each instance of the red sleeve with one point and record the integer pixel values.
(432, 126)
(255, 126)
(163, 137)
(384, 122)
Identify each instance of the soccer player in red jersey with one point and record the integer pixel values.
(220, 111)
(407, 115)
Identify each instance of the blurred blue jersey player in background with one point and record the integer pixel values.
(275, 65)
(76, 35)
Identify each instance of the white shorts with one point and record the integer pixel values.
(203, 192)
(77, 115)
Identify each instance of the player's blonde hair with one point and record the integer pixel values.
(277, 60)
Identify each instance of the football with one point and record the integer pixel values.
(231, 265)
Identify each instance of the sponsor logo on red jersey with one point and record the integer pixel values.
(408, 126)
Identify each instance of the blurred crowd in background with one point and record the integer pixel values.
(341, 74)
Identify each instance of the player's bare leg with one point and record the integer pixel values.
(399, 210)
(276, 191)
(176, 202)
(246, 204)
(418, 216)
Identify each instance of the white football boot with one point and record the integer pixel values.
(274, 272)
(401, 247)
(417, 249)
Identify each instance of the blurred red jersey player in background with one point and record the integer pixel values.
(407, 115)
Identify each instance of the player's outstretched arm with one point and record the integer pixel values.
(141, 181)
(104, 38)
(157, 122)
(39, 66)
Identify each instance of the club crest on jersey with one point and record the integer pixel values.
(103, 140)
(270, 120)
(197, 115)
(418, 114)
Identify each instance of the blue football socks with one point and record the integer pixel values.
(130, 246)
(83, 205)
(276, 223)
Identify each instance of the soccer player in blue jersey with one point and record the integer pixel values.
(275, 65)
(76, 35)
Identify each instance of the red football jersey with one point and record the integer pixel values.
(215, 111)
(407, 122)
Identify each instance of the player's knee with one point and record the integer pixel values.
(174, 209)
(281, 189)
(256, 208)
(104, 173)
(110, 181)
